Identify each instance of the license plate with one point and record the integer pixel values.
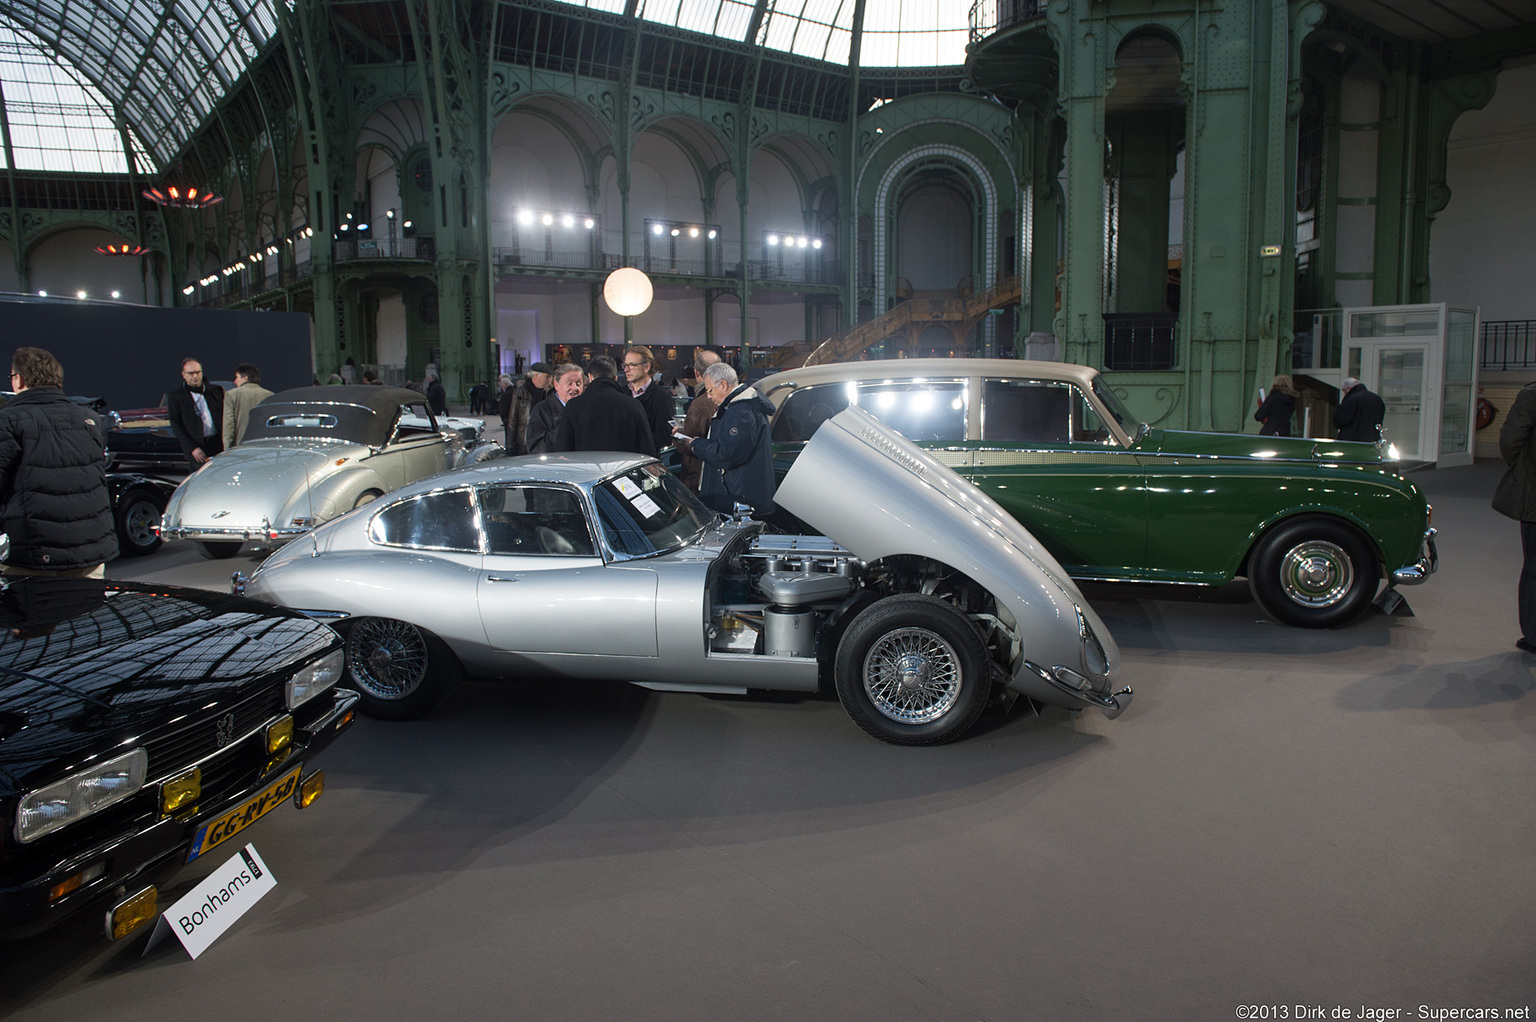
(245, 814)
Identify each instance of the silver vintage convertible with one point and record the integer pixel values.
(922, 600)
(311, 454)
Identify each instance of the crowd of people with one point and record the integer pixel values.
(723, 441)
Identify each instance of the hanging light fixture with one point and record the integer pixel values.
(181, 195)
(122, 248)
(190, 197)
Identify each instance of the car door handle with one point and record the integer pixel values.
(501, 578)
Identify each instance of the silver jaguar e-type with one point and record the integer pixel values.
(922, 600)
(311, 454)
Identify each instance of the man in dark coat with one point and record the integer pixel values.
(738, 453)
(639, 367)
(604, 417)
(54, 502)
(526, 396)
(437, 396)
(569, 382)
(1515, 497)
(196, 412)
(696, 421)
(1359, 414)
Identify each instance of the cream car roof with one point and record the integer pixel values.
(776, 390)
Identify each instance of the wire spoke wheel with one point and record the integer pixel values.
(389, 659)
(912, 670)
(912, 675)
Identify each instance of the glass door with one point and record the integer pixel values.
(1400, 382)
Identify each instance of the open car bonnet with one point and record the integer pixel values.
(867, 487)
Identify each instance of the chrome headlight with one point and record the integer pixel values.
(79, 795)
(314, 679)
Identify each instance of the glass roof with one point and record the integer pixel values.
(897, 33)
(71, 69)
(163, 63)
(58, 120)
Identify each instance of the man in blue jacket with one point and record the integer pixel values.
(738, 453)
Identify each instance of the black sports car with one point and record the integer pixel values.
(140, 726)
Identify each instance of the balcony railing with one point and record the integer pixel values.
(1509, 344)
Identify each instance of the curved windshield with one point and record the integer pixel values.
(647, 511)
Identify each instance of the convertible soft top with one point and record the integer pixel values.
(363, 414)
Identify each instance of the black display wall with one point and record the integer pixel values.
(131, 354)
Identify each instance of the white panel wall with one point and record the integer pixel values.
(1483, 244)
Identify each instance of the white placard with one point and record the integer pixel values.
(212, 906)
(626, 487)
(646, 506)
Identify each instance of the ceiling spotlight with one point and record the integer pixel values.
(524, 217)
(122, 248)
(816, 243)
(549, 219)
(567, 221)
(656, 229)
(693, 232)
(711, 235)
(802, 242)
(676, 232)
(117, 294)
(773, 239)
(79, 294)
(589, 223)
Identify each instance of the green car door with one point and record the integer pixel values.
(1045, 454)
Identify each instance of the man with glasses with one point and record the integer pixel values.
(54, 502)
(654, 399)
(196, 411)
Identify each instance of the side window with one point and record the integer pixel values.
(805, 410)
(414, 421)
(431, 521)
(918, 410)
(536, 520)
(1026, 411)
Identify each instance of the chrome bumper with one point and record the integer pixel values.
(254, 532)
(1429, 561)
(1067, 682)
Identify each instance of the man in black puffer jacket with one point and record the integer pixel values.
(54, 502)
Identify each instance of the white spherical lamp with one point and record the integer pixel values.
(628, 291)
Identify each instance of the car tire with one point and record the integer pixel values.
(220, 549)
(137, 519)
(1313, 573)
(912, 670)
(400, 671)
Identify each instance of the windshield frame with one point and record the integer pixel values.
(687, 519)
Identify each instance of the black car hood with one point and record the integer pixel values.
(82, 657)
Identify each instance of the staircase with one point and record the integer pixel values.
(909, 319)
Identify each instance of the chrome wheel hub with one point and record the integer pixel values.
(1317, 573)
(912, 675)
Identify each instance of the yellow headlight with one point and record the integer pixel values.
(131, 914)
(279, 735)
(311, 788)
(180, 792)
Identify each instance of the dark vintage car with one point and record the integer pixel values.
(140, 727)
(1315, 525)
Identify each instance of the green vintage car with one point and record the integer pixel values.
(1314, 525)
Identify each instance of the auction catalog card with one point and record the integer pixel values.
(212, 906)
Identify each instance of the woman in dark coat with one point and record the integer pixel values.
(1275, 410)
